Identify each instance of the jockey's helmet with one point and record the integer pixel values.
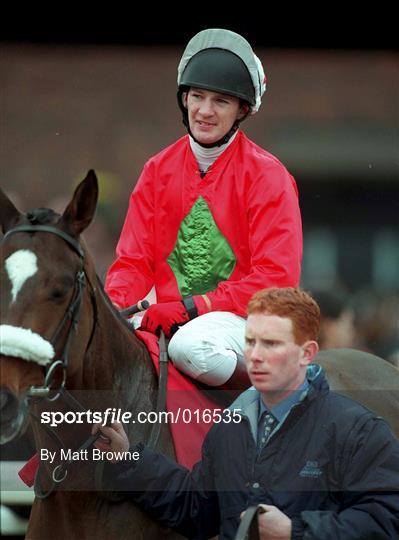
(221, 61)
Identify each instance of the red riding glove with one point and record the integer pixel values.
(170, 315)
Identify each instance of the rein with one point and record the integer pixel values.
(248, 528)
(59, 473)
(72, 316)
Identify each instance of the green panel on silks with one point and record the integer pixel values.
(202, 257)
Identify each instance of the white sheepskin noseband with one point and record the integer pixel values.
(25, 344)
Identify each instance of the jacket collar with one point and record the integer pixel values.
(247, 403)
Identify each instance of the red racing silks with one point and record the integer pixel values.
(227, 234)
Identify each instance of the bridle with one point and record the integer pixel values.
(71, 317)
(69, 320)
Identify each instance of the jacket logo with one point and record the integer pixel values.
(311, 470)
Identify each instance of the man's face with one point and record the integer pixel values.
(276, 364)
(210, 114)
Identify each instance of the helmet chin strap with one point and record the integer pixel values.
(225, 139)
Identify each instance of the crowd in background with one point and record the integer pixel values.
(363, 320)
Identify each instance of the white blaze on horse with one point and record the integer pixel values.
(61, 334)
(59, 331)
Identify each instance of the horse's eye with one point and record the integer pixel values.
(59, 288)
(57, 294)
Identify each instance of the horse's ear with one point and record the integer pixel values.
(9, 215)
(80, 211)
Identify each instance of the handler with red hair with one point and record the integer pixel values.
(322, 466)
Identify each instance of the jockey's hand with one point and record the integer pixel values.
(168, 317)
(112, 438)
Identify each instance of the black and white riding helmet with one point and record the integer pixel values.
(222, 61)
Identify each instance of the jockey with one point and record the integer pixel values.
(212, 219)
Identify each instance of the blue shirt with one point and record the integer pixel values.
(281, 410)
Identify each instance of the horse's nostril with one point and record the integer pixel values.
(8, 405)
(13, 415)
(3, 399)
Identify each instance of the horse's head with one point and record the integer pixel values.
(44, 274)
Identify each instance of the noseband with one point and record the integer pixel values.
(71, 316)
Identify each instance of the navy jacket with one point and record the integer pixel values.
(332, 467)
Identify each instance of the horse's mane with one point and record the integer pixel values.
(44, 216)
(111, 305)
(41, 216)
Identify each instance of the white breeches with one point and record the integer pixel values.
(204, 348)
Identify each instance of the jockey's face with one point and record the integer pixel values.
(211, 114)
(276, 364)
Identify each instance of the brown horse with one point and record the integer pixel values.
(372, 381)
(53, 306)
(52, 302)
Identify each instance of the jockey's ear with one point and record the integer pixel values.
(80, 211)
(9, 215)
(244, 110)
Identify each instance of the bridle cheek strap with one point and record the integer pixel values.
(73, 311)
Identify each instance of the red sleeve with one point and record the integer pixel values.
(131, 276)
(275, 239)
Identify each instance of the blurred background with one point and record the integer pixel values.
(97, 89)
(86, 94)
